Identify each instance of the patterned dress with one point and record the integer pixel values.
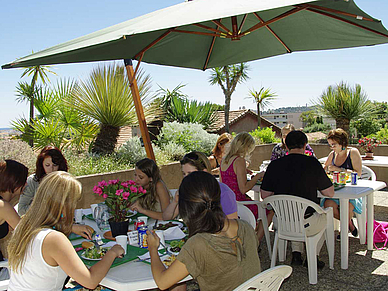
(229, 178)
(278, 151)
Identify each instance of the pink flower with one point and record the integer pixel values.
(104, 196)
(131, 182)
(125, 184)
(118, 192)
(102, 184)
(113, 182)
(142, 190)
(97, 190)
(125, 195)
(133, 189)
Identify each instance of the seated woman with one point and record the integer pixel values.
(233, 168)
(40, 254)
(280, 150)
(197, 161)
(13, 176)
(218, 153)
(220, 253)
(343, 159)
(158, 197)
(50, 159)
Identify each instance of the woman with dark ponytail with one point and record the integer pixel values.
(217, 247)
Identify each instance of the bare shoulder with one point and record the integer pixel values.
(354, 151)
(55, 238)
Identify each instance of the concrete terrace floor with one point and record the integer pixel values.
(368, 270)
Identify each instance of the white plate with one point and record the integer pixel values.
(131, 213)
(177, 223)
(170, 250)
(82, 256)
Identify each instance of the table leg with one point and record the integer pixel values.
(370, 219)
(344, 225)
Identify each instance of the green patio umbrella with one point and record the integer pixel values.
(203, 34)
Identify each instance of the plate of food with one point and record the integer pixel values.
(163, 225)
(168, 260)
(176, 246)
(131, 213)
(94, 254)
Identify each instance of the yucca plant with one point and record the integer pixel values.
(343, 103)
(105, 97)
(262, 99)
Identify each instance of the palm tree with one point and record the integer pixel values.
(106, 97)
(228, 77)
(36, 72)
(343, 103)
(262, 99)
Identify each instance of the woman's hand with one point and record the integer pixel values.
(136, 207)
(117, 250)
(333, 168)
(249, 172)
(153, 240)
(83, 230)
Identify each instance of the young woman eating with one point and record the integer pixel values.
(220, 253)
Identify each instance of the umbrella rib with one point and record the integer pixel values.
(273, 33)
(210, 49)
(234, 28)
(340, 12)
(284, 15)
(202, 33)
(242, 23)
(208, 28)
(347, 21)
(154, 42)
(219, 24)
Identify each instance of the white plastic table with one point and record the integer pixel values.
(364, 188)
(378, 161)
(131, 276)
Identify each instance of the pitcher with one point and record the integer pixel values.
(102, 216)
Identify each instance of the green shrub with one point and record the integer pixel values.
(132, 151)
(366, 126)
(18, 150)
(381, 135)
(191, 136)
(317, 127)
(173, 151)
(264, 135)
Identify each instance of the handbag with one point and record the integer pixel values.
(380, 233)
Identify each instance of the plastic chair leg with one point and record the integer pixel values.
(274, 251)
(312, 261)
(282, 245)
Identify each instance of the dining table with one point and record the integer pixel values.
(130, 276)
(364, 188)
(378, 161)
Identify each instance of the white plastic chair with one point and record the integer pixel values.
(270, 279)
(246, 214)
(290, 212)
(366, 174)
(4, 283)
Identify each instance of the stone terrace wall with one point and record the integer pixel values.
(172, 175)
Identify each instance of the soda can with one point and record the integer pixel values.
(138, 224)
(353, 178)
(342, 178)
(142, 230)
(336, 177)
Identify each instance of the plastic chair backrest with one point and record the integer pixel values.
(367, 174)
(244, 213)
(173, 192)
(4, 283)
(290, 212)
(270, 279)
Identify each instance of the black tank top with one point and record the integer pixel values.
(4, 229)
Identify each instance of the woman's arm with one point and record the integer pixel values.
(239, 167)
(356, 161)
(83, 230)
(163, 277)
(328, 161)
(8, 213)
(172, 209)
(213, 162)
(27, 195)
(57, 250)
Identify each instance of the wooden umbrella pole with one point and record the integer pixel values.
(139, 109)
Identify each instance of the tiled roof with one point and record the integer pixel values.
(234, 116)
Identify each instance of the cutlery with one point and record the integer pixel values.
(97, 241)
(156, 223)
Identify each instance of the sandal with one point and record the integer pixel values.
(354, 232)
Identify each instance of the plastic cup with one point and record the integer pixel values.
(143, 218)
(160, 234)
(122, 240)
(93, 207)
(78, 215)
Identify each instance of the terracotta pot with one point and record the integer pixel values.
(119, 227)
(369, 155)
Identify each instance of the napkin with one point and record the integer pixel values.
(147, 256)
(109, 244)
(87, 211)
(173, 233)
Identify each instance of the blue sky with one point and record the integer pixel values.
(297, 78)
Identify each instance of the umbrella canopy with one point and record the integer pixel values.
(203, 34)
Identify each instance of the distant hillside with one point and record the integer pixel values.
(290, 109)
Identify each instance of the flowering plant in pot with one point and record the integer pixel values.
(118, 198)
(368, 144)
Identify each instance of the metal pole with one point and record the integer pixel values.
(139, 109)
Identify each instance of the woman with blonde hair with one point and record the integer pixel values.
(218, 152)
(147, 175)
(233, 168)
(40, 254)
(280, 150)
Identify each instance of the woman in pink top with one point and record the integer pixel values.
(233, 168)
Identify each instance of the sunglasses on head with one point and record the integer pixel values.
(191, 156)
